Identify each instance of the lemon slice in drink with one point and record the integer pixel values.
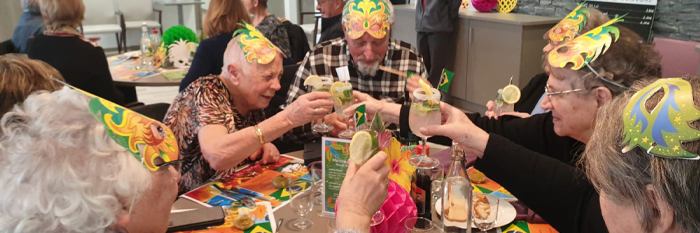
(362, 147)
(335, 86)
(425, 86)
(511, 94)
(313, 80)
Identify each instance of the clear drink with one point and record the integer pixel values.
(425, 111)
(343, 101)
(324, 87)
(422, 115)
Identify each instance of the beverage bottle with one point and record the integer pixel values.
(155, 41)
(146, 53)
(421, 183)
(456, 195)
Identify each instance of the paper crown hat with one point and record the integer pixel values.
(150, 141)
(662, 130)
(570, 26)
(585, 48)
(255, 45)
(371, 16)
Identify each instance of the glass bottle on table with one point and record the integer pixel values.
(421, 188)
(146, 53)
(456, 199)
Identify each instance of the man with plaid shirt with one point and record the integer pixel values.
(363, 49)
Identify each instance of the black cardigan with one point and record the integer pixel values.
(81, 63)
(526, 157)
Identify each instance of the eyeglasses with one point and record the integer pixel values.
(177, 164)
(550, 94)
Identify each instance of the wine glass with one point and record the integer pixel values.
(342, 99)
(425, 111)
(485, 211)
(316, 171)
(301, 202)
(419, 225)
(325, 86)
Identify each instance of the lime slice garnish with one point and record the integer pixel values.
(362, 147)
(511, 94)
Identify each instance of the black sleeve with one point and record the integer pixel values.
(535, 133)
(559, 193)
(201, 65)
(102, 81)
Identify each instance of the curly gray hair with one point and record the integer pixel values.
(624, 177)
(60, 170)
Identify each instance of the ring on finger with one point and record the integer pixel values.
(316, 111)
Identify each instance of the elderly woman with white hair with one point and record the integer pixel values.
(643, 157)
(62, 172)
(219, 120)
(30, 24)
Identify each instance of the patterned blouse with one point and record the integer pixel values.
(206, 101)
(272, 28)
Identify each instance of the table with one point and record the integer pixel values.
(320, 223)
(120, 70)
(179, 4)
(152, 81)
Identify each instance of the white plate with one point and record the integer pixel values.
(506, 212)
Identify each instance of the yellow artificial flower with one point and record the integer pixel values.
(400, 170)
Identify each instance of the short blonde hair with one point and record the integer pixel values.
(20, 76)
(62, 12)
(224, 16)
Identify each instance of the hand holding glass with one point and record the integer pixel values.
(425, 111)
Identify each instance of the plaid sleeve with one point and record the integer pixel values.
(301, 134)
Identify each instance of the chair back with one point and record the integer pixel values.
(136, 10)
(7, 47)
(99, 12)
(298, 42)
(679, 57)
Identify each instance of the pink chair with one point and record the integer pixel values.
(679, 57)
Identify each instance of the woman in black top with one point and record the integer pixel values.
(558, 192)
(82, 63)
(222, 19)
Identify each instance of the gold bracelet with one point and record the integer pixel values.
(259, 134)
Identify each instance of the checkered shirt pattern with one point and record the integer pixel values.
(325, 57)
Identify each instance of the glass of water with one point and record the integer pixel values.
(301, 202)
(485, 211)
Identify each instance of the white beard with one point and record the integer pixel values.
(370, 70)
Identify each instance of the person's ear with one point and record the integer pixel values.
(662, 211)
(235, 73)
(255, 3)
(123, 220)
(603, 95)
